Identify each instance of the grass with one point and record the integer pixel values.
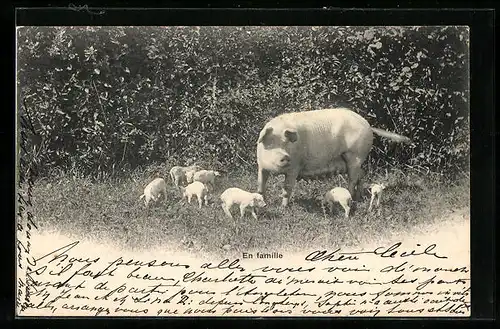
(110, 210)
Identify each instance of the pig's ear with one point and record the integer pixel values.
(265, 132)
(291, 135)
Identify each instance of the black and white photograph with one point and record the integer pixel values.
(243, 171)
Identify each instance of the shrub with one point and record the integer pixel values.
(121, 97)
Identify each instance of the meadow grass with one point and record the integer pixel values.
(109, 210)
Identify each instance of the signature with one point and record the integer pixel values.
(385, 252)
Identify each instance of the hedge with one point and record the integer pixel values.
(104, 98)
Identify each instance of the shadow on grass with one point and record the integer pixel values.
(311, 205)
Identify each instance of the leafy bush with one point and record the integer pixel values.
(105, 98)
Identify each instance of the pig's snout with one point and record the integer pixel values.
(284, 160)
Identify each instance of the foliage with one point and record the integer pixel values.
(110, 98)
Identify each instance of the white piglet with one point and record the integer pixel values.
(178, 175)
(376, 192)
(244, 199)
(340, 195)
(181, 175)
(206, 177)
(197, 189)
(153, 191)
(190, 174)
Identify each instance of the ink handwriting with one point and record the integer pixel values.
(69, 280)
(389, 252)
